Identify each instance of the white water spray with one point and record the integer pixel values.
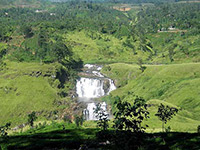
(89, 88)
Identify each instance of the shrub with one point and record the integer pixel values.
(198, 129)
(31, 118)
(4, 129)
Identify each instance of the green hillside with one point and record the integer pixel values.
(183, 48)
(176, 85)
(27, 87)
(95, 47)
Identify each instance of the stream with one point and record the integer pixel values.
(91, 86)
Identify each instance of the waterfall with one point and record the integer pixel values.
(89, 111)
(112, 86)
(89, 88)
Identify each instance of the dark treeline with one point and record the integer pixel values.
(181, 16)
(9, 2)
(70, 15)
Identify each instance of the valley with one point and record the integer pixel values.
(99, 74)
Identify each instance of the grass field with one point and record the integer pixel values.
(176, 85)
(27, 87)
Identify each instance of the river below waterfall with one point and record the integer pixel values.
(91, 86)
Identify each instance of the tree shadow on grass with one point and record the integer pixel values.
(173, 141)
(124, 140)
(73, 138)
(60, 139)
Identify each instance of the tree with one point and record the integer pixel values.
(79, 120)
(171, 54)
(31, 118)
(171, 51)
(198, 129)
(102, 117)
(27, 31)
(129, 117)
(2, 53)
(165, 113)
(61, 51)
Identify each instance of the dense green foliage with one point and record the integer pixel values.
(168, 16)
(69, 33)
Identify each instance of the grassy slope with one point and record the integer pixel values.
(177, 84)
(94, 47)
(21, 92)
(159, 42)
(103, 48)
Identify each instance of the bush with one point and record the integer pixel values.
(31, 118)
(4, 129)
(198, 129)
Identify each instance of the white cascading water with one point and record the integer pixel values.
(89, 88)
(112, 86)
(89, 111)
